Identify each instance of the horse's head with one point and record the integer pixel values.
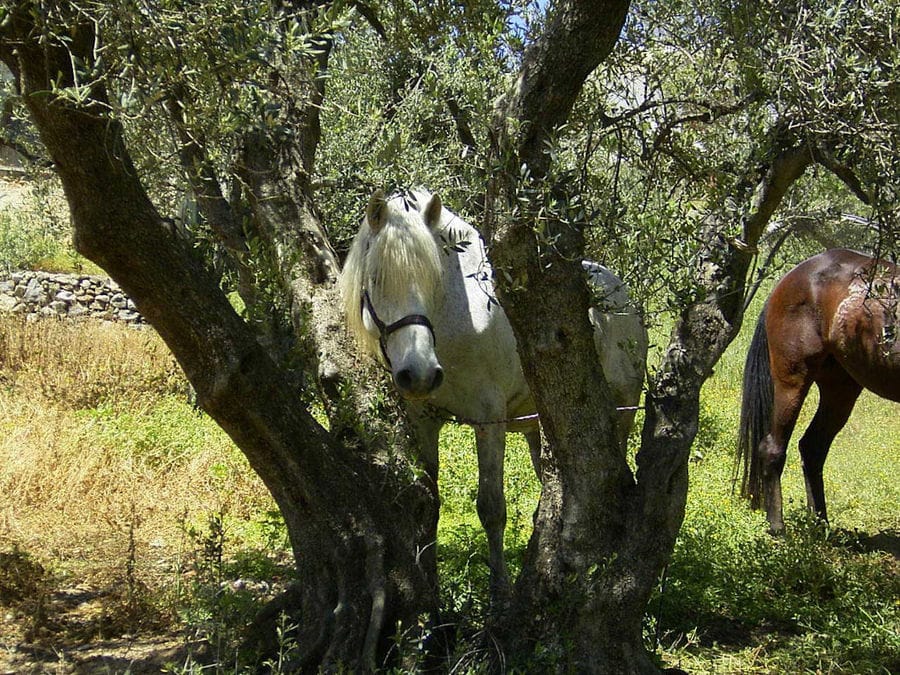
(391, 286)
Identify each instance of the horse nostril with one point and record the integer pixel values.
(404, 379)
(438, 378)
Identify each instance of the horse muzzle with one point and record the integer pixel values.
(416, 384)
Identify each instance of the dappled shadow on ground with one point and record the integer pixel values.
(69, 631)
(134, 654)
(887, 541)
(722, 631)
(758, 600)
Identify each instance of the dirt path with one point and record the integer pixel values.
(62, 634)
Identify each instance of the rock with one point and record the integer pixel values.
(65, 296)
(128, 316)
(34, 293)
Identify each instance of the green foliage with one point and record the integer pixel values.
(24, 246)
(226, 580)
(407, 110)
(159, 433)
(800, 602)
(672, 134)
(462, 545)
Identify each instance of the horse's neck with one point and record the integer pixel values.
(474, 258)
(469, 311)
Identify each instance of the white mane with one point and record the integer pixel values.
(402, 255)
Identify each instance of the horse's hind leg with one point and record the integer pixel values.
(773, 448)
(837, 395)
(490, 441)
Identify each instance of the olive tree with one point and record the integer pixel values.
(232, 100)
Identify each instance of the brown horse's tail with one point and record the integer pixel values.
(756, 414)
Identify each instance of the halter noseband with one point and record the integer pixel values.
(385, 330)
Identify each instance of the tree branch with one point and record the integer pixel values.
(581, 33)
(370, 15)
(844, 173)
(713, 112)
(461, 119)
(204, 182)
(701, 335)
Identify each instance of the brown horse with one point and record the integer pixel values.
(832, 320)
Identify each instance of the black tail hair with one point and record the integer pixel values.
(756, 414)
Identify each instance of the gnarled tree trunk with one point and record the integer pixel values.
(602, 534)
(355, 515)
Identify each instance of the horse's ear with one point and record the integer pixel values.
(375, 211)
(433, 212)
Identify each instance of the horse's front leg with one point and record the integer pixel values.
(837, 395)
(427, 430)
(491, 444)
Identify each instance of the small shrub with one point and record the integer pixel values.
(21, 577)
(23, 244)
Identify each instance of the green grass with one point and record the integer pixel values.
(734, 599)
(738, 600)
(35, 236)
(462, 545)
(816, 600)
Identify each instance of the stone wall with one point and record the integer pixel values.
(66, 296)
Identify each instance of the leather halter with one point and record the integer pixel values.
(385, 330)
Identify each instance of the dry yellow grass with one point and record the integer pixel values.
(100, 451)
(81, 364)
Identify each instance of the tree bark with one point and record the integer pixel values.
(602, 535)
(581, 593)
(355, 516)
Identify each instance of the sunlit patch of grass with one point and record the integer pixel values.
(459, 482)
(84, 364)
(34, 228)
(462, 545)
(816, 600)
(810, 601)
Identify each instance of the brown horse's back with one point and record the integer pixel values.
(839, 305)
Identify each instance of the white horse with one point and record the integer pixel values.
(418, 294)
